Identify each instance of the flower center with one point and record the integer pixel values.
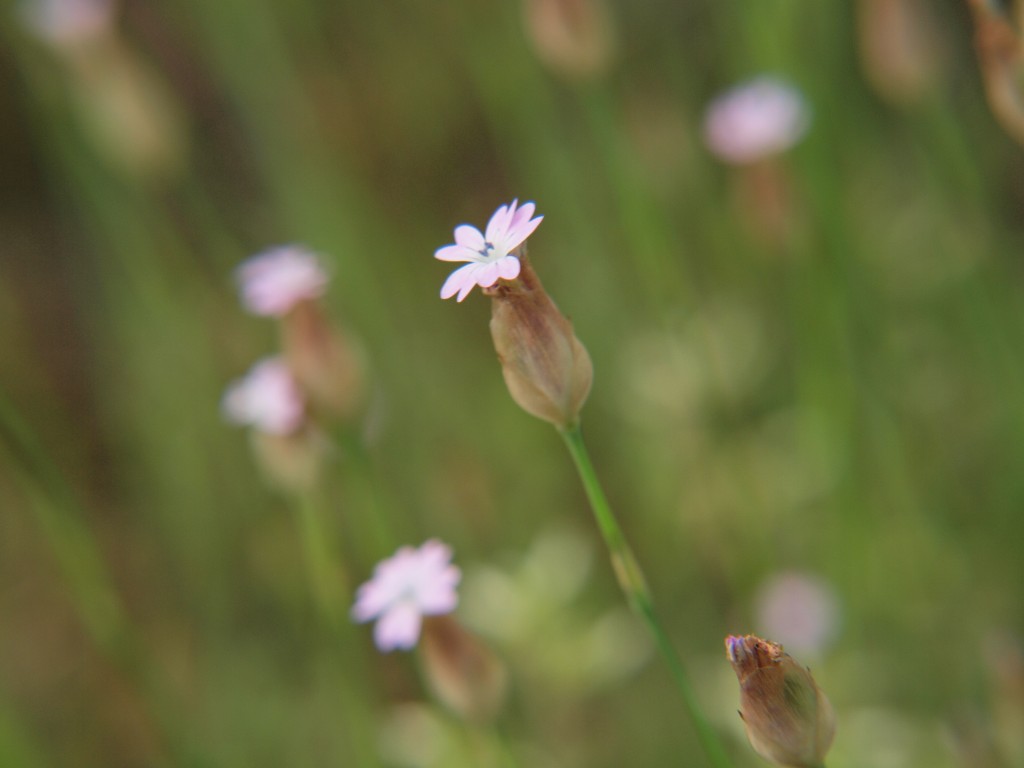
(488, 252)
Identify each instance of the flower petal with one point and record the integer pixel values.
(405, 587)
(488, 274)
(523, 214)
(456, 253)
(275, 280)
(464, 290)
(498, 225)
(470, 237)
(756, 119)
(437, 594)
(520, 231)
(434, 553)
(508, 268)
(399, 627)
(370, 601)
(462, 279)
(267, 399)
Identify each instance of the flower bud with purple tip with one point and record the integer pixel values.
(789, 720)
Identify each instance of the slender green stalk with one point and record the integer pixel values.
(631, 579)
(326, 577)
(376, 533)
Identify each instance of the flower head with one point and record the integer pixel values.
(405, 587)
(267, 399)
(788, 719)
(69, 22)
(489, 253)
(274, 281)
(754, 120)
(800, 611)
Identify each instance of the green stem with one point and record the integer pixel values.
(326, 577)
(632, 581)
(375, 528)
(506, 755)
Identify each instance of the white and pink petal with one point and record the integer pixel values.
(399, 627)
(470, 237)
(462, 279)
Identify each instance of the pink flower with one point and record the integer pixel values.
(274, 281)
(490, 253)
(754, 120)
(69, 22)
(407, 586)
(267, 399)
(800, 611)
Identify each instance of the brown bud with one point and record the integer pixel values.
(575, 38)
(326, 364)
(463, 672)
(547, 370)
(1001, 55)
(127, 109)
(789, 721)
(900, 48)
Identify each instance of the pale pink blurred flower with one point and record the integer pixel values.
(274, 281)
(267, 399)
(798, 610)
(68, 22)
(489, 252)
(405, 587)
(756, 119)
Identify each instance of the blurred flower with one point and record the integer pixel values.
(799, 610)
(405, 587)
(575, 38)
(1001, 54)
(489, 253)
(128, 112)
(267, 399)
(754, 120)
(274, 281)
(789, 721)
(327, 363)
(900, 48)
(68, 23)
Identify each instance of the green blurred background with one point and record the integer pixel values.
(821, 373)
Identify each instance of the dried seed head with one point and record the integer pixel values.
(789, 721)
